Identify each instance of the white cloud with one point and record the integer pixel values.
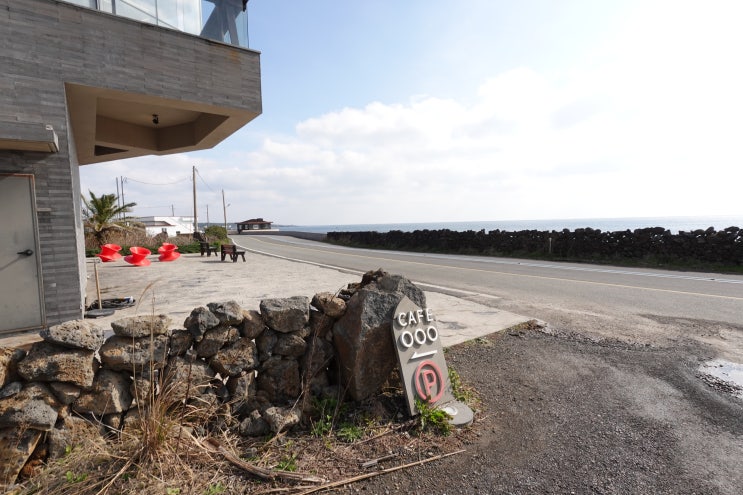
(649, 124)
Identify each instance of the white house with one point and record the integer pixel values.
(172, 226)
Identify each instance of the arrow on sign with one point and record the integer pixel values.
(423, 354)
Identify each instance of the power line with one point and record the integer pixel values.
(205, 183)
(154, 184)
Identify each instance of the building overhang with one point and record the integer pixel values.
(28, 136)
(110, 124)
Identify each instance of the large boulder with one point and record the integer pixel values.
(78, 334)
(252, 325)
(363, 335)
(236, 358)
(134, 355)
(111, 393)
(47, 362)
(214, 339)
(286, 315)
(228, 313)
(33, 407)
(141, 326)
(199, 321)
(279, 379)
(16, 447)
(185, 379)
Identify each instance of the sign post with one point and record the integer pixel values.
(422, 364)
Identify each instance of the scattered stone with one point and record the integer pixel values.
(199, 321)
(141, 326)
(47, 362)
(78, 334)
(228, 313)
(280, 419)
(286, 315)
(329, 304)
(254, 425)
(134, 354)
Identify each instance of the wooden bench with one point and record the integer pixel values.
(231, 251)
(206, 248)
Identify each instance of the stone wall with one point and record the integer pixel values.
(249, 368)
(700, 246)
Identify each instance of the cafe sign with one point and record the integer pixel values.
(422, 364)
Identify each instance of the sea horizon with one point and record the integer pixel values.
(674, 224)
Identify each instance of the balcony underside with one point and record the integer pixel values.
(111, 124)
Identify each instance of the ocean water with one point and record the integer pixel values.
(674, 224)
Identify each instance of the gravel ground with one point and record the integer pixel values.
(565, 413)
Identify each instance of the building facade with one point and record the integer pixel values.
(90, 81)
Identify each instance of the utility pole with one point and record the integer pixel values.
(195, 219)
(207, 216)
(224, 208)
(172, 211)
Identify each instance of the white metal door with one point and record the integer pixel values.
(21, 298)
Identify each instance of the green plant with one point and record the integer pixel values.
(217, 232)
(75, 478)
(349, 433)
(215, 489)
(326, 409)
(458, 390)
(172, 491)
(102, 216)
(432, 418)
(288, 463)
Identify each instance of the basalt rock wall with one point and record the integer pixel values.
(250, 370)
(700, 246)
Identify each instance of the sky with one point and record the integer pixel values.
(391, 111)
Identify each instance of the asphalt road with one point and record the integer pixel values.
(633, 302)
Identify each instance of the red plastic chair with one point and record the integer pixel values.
(138, 256)
(109, 252)
(168, 252)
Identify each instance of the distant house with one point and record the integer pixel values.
(172, 226)
(253, 224)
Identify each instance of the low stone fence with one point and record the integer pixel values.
(251, 367)
(705, 246)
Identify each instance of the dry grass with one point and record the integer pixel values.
(169, 448)
(156, 455)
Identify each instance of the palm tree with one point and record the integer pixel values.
(102, 215)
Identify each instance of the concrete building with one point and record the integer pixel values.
(88, 81)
